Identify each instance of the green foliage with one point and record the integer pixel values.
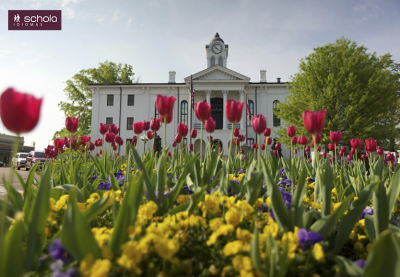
(79, 96)
(358, 90)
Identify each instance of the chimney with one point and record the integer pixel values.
(278, 80)
(172, 77)
(263, 76)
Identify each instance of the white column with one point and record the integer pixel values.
(225, 94)
(189, 111)
(243, 120)
(208, 93)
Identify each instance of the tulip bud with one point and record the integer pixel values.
(314, 121)
(169, 154)
(370, 145)
(236, 132)
(168, 118)
(259, 123)
(193, 133)
(150, 134)
(109, 137)
(191, 147)
(178, 138)
(363, 157)
(241, 151)
(97, 154)
(355, 143)
(349, 157)
(134, 140)
(267, 132)
(210, 125)
(146, 125)
(155, 124)
(71, 124)
(165, 106)
(117, 155)
(262, 146)
(101, 151)
(243, 159)
(335, 137)
(343, 148)
(220, 149)
(91, 146)
(137, 127)
(202, 110)
(310, 160)
(353, 151)
(331, 147)
(291, 131)
(183, 130)
(294, 140)
(233, 111)
(303, 140)
(319, 148)
(325, 155)
(174, 144)
(295, 151)
(341, 153)
(103, 128)
(275, 152)
(278, 146)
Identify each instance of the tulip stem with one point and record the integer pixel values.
(335, 158)
(70, 157)
(230, 148)
(316, 156)
(266, 149)
(201, 141)
(165, 131)
(259, 152)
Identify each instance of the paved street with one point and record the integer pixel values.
(5, 172)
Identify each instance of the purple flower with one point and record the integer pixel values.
(58, 252)
(308, 238)
(360, 263)
(367, 210)
(104, 186)
(72, 272)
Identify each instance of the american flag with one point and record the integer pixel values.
(192, 90)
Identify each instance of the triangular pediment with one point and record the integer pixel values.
(218, 73)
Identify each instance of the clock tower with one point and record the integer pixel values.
(216, 52)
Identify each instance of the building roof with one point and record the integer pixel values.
(217, 38)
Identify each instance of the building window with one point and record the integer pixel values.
(131, 100)
(220, 61)
(251, 108)
(109, 120)
(250, 141)
(110, 100)
(129, 122)
(156, 112)
(212, 61)
(128, 141)
(277, 121)
(184, 112)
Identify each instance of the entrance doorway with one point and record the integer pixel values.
(217, 112)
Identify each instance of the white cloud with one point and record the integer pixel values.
(115, 16)
(130, 20)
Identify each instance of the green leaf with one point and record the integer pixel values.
(69, 188)
(76, 235)
(254, 250)
(127, 213)
(114, 182)
(381, 209)
(14, 196)
(195, 198)
(96, 208)
(177, 209)
(352, 217)
(12, 257)
(299, 195)
(37, 221)
(369, 226)
(253, 187)
(326, 188)
(394, 190)
(161, 179)
(350, 268)
(325, 225)
(55, 193)
(383, 260)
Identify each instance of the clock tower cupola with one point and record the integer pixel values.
(216, 52)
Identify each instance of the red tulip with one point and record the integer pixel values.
(183, 130)
(310, 160)
(253, 145)
(138, 127)
(335, 137)
(113, 129)
(210, 125)
(242, 138)
(267, 132)
(169, 154)
(318, 139)
(325, 155)
(71, 123)
(269, 140)
(314, 121)
(211, 138)
(341, 153)
(101, 151)
(103, 128)
(379, 151)
(331, 146)
(236, 132)
(370, 145)
(146, 125)
(97, 154)
(319, 148)
(109, 137)
(174, 144)
(91, 146)
(291, 131)
(115, 147)
(363, 157)
(99, 142)
(275, 152)
(259, 123)
(117, 155)
(119, 140)
(84, 140)
(202, 110)
(193, 134)
(294, 151)
(353, 151)
(349, 157)
(169, 118)
(155, 124)
(243, 159)
(355, 143)
(233, 111)
(343, 148)
(150, 134)
(303, 140)
(134, 140)
(241, 151)
(278, 146)
(59, 143)
(294, 140)
(165, 105)
(307, 148)
(178, 138)
(220, 149)
(262, 146)
(19, 111)
(191, 147)
(390, 157)
(333, 158)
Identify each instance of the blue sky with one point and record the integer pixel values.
(156, 36)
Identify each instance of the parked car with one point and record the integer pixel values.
(34, 157)
(19, 160)
(1, 164)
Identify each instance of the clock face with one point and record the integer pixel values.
(217, 48)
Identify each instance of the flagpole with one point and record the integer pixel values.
(191, 107)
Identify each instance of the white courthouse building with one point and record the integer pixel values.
(123, 104)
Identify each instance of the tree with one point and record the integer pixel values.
(359, 91)
(80, 96)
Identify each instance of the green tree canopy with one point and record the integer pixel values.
(359, 91)
(79, 96)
